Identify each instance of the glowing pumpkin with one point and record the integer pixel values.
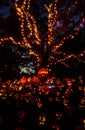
(35, 80)
(23, 80)
(43, 73)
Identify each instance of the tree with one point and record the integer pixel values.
(51, 64)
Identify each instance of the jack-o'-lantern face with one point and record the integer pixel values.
(43, 73)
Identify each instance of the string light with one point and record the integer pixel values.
(43, 83)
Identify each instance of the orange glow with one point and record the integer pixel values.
(35, 80)
(8, 82)
(23, 80)
(42, 73)
(29, 80)
(44, 89)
